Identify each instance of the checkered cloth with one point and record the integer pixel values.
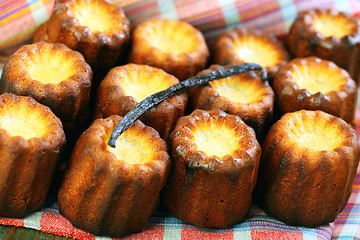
(19, 19)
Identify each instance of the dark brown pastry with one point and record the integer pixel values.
(174, 46)
(31, 143)
(242, 45)
(245, 95)
(53, 75)
(307, 168)
(113, 191)
(125, 86)
(327, 34)
(315, 84)
(215, 162)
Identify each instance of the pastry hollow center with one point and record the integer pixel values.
(172, 37)
(132, 147)
(317, 77)
(50, 67)
(23, 121)
(141, 85)
(316, 133)
(97, 17)
(215, 139)
(237, 89)
(338, 26)
(253, 49)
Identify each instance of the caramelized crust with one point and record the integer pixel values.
(125, 86)
(245, 95)
(242, 45)
(174, 46)
(307, 168)
(315, 84)
(215, 157)
(55, 76)
(108, 193)
(329, 35)
(97, 29)
(31, 142)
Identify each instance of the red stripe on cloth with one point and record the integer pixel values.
(148, 233)
(190, 234)
(12, 221)
(269, 235)
(59, 225)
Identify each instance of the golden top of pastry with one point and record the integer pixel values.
(331, 23)
(171, 36)
(23, 116)
(98, 16)
(239, 89)
(133, 147)
(257, 49)
(136, 82)
(317, 75)
(314, 130)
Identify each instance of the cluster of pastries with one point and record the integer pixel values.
(203, 153)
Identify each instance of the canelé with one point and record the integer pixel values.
(113, 191)
(242, 45)
(98, 29)
(215, 162)
(307, 168)
(125, 86)
(53, 75)
(174, 46)
(327, 34)
(245, 95)
(315, 84)
(31, 143)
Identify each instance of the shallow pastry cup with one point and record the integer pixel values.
(174, 46)
(242, 45)
(307, 168)
(113, 191)
(327, 34)
(215, 162)
(98, 29)
(125, 86)
(31, 143)
(245, 95)
(314, 84)
(53, 75)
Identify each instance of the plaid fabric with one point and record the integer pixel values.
(19, 19)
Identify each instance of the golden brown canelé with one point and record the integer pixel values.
(125, 86)
(242, 45)
(31, 143)
(327, 34)
(53, 75)
(98, 29)
(174, 46)
(215, 162)
(307, 168)
(314, 84)
(245, 95)
(113, 191)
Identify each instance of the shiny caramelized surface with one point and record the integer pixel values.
(317, 76)
(313, 130)
(214, 138)
(172, 36)
(22, 120)
(255, 49)
(237, 89)
(49, 65)
(142, 81)
(133, 147)
(333, 25)
(95, 15)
